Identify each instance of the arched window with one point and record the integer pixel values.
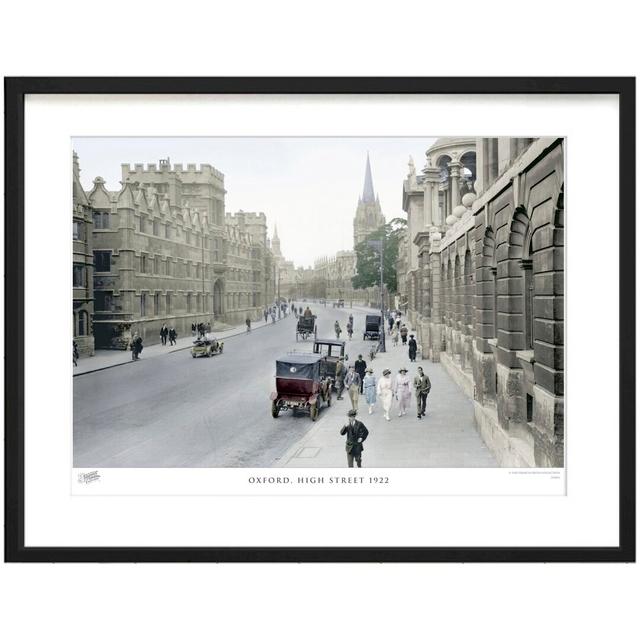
(83, 328)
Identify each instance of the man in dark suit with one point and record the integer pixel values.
(360, 366)
(356, 434)
(422, 385)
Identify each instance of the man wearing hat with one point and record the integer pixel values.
(413, 348)
(360, 366)
(422, 385)
(356, 434)
(352, 385)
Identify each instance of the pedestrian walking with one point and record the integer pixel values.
(402, 391)
(164, 332)
(193, 329)
(403, 333)
(173, 334)
(136, 346)
(356, 434)
(385, 392)
(391, 323)
(341, 372)
(369, 386)
(273, 316)
(350, 330)
(265, 313)
(248, 323)
(413, 348)
(422, 385)
(352, 385)
(360, 366)
(337, 329)
(394, 335)
(75, 353)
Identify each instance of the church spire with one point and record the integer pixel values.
(275, 232)
(367, 193)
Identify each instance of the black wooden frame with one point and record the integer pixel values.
(15, 91)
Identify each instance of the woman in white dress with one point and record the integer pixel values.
(385, 392)
(402, 391)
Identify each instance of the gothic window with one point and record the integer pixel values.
(100, 219)
(143, 263)
(102, 261)
(79, 275)
(143, 305)
(78, 230)
(141, 224)
(156, 304)
(156, 228)
(188, 303)
(169, 308)
(167, 267)
(187, 236)
(83, 323)
(104, 300)
(167, 231)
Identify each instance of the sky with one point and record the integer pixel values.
(309, 187)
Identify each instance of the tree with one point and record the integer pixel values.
(368, 257)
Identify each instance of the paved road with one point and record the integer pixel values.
(176, 411)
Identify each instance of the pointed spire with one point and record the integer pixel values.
(275, 231)
(367, 193)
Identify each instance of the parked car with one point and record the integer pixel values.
(300, 385)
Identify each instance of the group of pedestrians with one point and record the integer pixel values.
(201, 329)
(168, 333)
(387, 390)
(359, 379)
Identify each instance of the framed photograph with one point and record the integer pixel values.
(320, 319)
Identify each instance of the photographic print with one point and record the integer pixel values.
(292, 302)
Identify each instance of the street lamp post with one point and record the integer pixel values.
(379, 245)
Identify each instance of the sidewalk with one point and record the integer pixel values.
(106, 358)
(445, 437)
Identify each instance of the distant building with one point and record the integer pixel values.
(369, 216)
(82, 217)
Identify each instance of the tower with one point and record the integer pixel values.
(369, 216)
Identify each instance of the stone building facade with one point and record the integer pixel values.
(162, 250)
(249, 278)
(82, 220)
(485, 284)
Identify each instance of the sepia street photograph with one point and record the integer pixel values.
(292, 302)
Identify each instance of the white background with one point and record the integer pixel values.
(308, 601)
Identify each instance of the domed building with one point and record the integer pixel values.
(482, 273)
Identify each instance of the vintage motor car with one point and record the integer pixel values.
(300, 385)
(339, 303)
(372, 328)
(330, 351)
(207, 347)
(306, 327)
